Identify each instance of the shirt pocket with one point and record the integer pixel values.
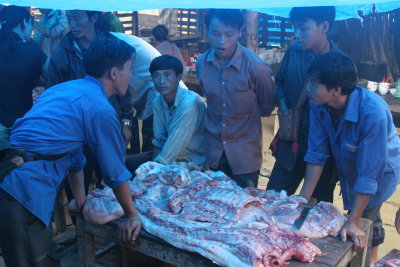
(349, 155)
(245, 102)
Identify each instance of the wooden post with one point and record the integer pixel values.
(252, 30)
(135, 23)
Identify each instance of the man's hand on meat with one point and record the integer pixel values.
(129, 228)
(397, 221)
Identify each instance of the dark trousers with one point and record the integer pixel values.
(243, 180)
(24, 240)
(132, 162)
(147, 136)
(282, 179)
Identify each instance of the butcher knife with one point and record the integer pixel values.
(303, 215)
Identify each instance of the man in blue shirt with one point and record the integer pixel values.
(355, 127)
(66, 117)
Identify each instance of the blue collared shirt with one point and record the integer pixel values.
(365, 146)
(64, 118)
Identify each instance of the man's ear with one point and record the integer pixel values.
(337, 91)
(113, 73)
(325, 26)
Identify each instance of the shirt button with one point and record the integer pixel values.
(224, 105)
(224, 142)
(223, 83)
(223, 125)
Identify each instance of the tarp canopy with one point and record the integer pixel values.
(345, 8)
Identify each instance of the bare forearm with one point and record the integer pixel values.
(313, 173)
(124, 197)
(76, 181)
(359, 205)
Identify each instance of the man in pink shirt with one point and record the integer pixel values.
(165, 47)
(239, 90)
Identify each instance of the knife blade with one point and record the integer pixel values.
(298, 223)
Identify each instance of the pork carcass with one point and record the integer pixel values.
(215, 217)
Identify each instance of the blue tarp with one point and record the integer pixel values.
(345, 8)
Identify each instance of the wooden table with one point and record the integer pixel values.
(393, 254)
(334, 251)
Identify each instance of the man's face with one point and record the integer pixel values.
(308, 34)
(166, 81)
(222, 38)
(122, 78)
(319, 93)
(80, 23)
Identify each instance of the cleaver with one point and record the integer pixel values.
(303, 215)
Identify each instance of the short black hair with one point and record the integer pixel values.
(89, 13)
(166, 62)
(103, 55)
(317, 13)
(334, 69)
(160, 33)
(230, 17)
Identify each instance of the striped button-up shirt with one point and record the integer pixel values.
(237, 96)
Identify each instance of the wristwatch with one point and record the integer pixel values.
(127, 122)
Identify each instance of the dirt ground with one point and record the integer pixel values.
(389, 208)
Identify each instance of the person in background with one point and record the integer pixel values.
(66, 64)
(109, 22)
(165, 47)
(311, 27)
(21, 65)
(397, 221)
(52, 133)
(50, 29)
(347, 122)
(239, 90)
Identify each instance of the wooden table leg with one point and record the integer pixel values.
(86, 248)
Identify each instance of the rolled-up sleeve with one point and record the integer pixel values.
(318, 140)
(103, 135)
(265, 90)
(372, 154)
(78, 161)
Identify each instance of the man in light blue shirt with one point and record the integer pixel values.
(64, 118)
(178, 115)
(355, 127)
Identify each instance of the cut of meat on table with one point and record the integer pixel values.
(208, 213)
(393, 263)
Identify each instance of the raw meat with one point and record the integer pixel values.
(102, 207)
(215, 217)
(393, 263)
(208, 213)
